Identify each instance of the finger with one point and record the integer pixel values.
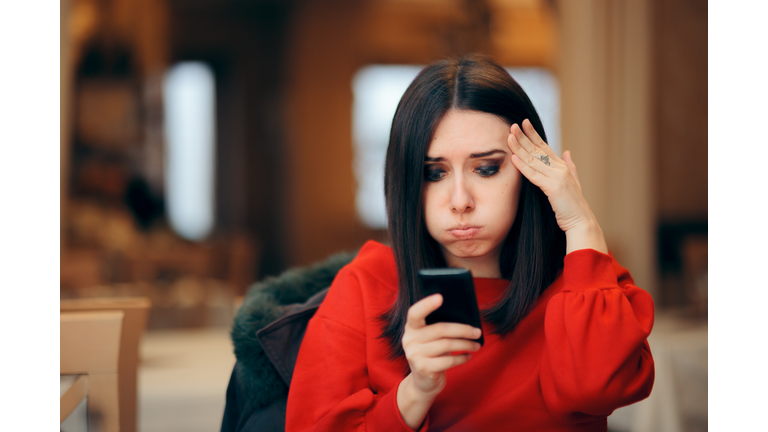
(535, 138)
(526, 151)
(448, 330)
(531, 174)
(517, 148)
(571, 166)
(443, 347)
(519, 135)
(417, 313)
(441, 364)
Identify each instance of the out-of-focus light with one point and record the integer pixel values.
(542, 88)
(190, 129)
(377, 90)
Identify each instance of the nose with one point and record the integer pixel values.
(461, 198)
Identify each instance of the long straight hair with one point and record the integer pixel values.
(534, 249)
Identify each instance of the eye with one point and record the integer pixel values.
(487, 170)
(433, 173)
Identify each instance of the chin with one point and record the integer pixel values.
(468, 249)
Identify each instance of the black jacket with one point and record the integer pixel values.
(267, 334)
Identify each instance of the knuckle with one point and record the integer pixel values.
(442, 330)
(406, 340)
(462, 345)
(440, 327)
(407, 349)
(412, 354)
(409, 339)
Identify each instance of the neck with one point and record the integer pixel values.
(481, 267)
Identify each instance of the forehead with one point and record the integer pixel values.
(468, 131)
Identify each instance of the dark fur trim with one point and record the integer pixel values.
(261, 306)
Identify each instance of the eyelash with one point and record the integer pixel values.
(488, 170)
(436, 174)
(433, 174)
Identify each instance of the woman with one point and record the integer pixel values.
(470, 182)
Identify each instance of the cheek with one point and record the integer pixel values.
(506, 201)
(431, 208)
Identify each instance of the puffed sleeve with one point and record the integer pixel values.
(596, 357)
(330, 389)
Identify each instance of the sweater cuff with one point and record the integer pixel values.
(588, 268)
(385, 416)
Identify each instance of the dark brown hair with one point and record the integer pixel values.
(534, 249)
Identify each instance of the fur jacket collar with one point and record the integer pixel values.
(265, 376)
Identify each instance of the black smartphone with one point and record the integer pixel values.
(458, 291)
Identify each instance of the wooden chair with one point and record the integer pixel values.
(90, 348)
(136, 310)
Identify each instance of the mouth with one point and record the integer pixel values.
(464, 232)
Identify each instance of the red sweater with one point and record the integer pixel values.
(577, 356)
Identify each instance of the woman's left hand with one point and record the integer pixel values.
(559, 182)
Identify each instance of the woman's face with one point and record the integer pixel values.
(471, 190)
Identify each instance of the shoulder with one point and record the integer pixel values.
(365, 287)
(374, 264)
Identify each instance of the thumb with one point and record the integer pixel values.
(571, 166)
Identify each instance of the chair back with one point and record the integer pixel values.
(90, 347)
(136, 313)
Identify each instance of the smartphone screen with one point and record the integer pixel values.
(458, 291)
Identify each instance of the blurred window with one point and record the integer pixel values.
(190, 128)
(377, 90)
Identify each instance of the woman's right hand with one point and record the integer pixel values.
(428, 350)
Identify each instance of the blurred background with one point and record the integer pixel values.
(208, 144)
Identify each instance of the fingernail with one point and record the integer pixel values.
(477, 332)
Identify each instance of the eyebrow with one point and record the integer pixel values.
(472, 156)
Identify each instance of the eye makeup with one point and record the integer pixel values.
(484, 168)
(488, 169)
(433, 172)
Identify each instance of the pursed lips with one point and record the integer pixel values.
(464, 232)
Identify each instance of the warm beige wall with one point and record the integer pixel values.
(65, 113)
(680, 110)
(605, 73)
(331, 40)
(319, 153)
